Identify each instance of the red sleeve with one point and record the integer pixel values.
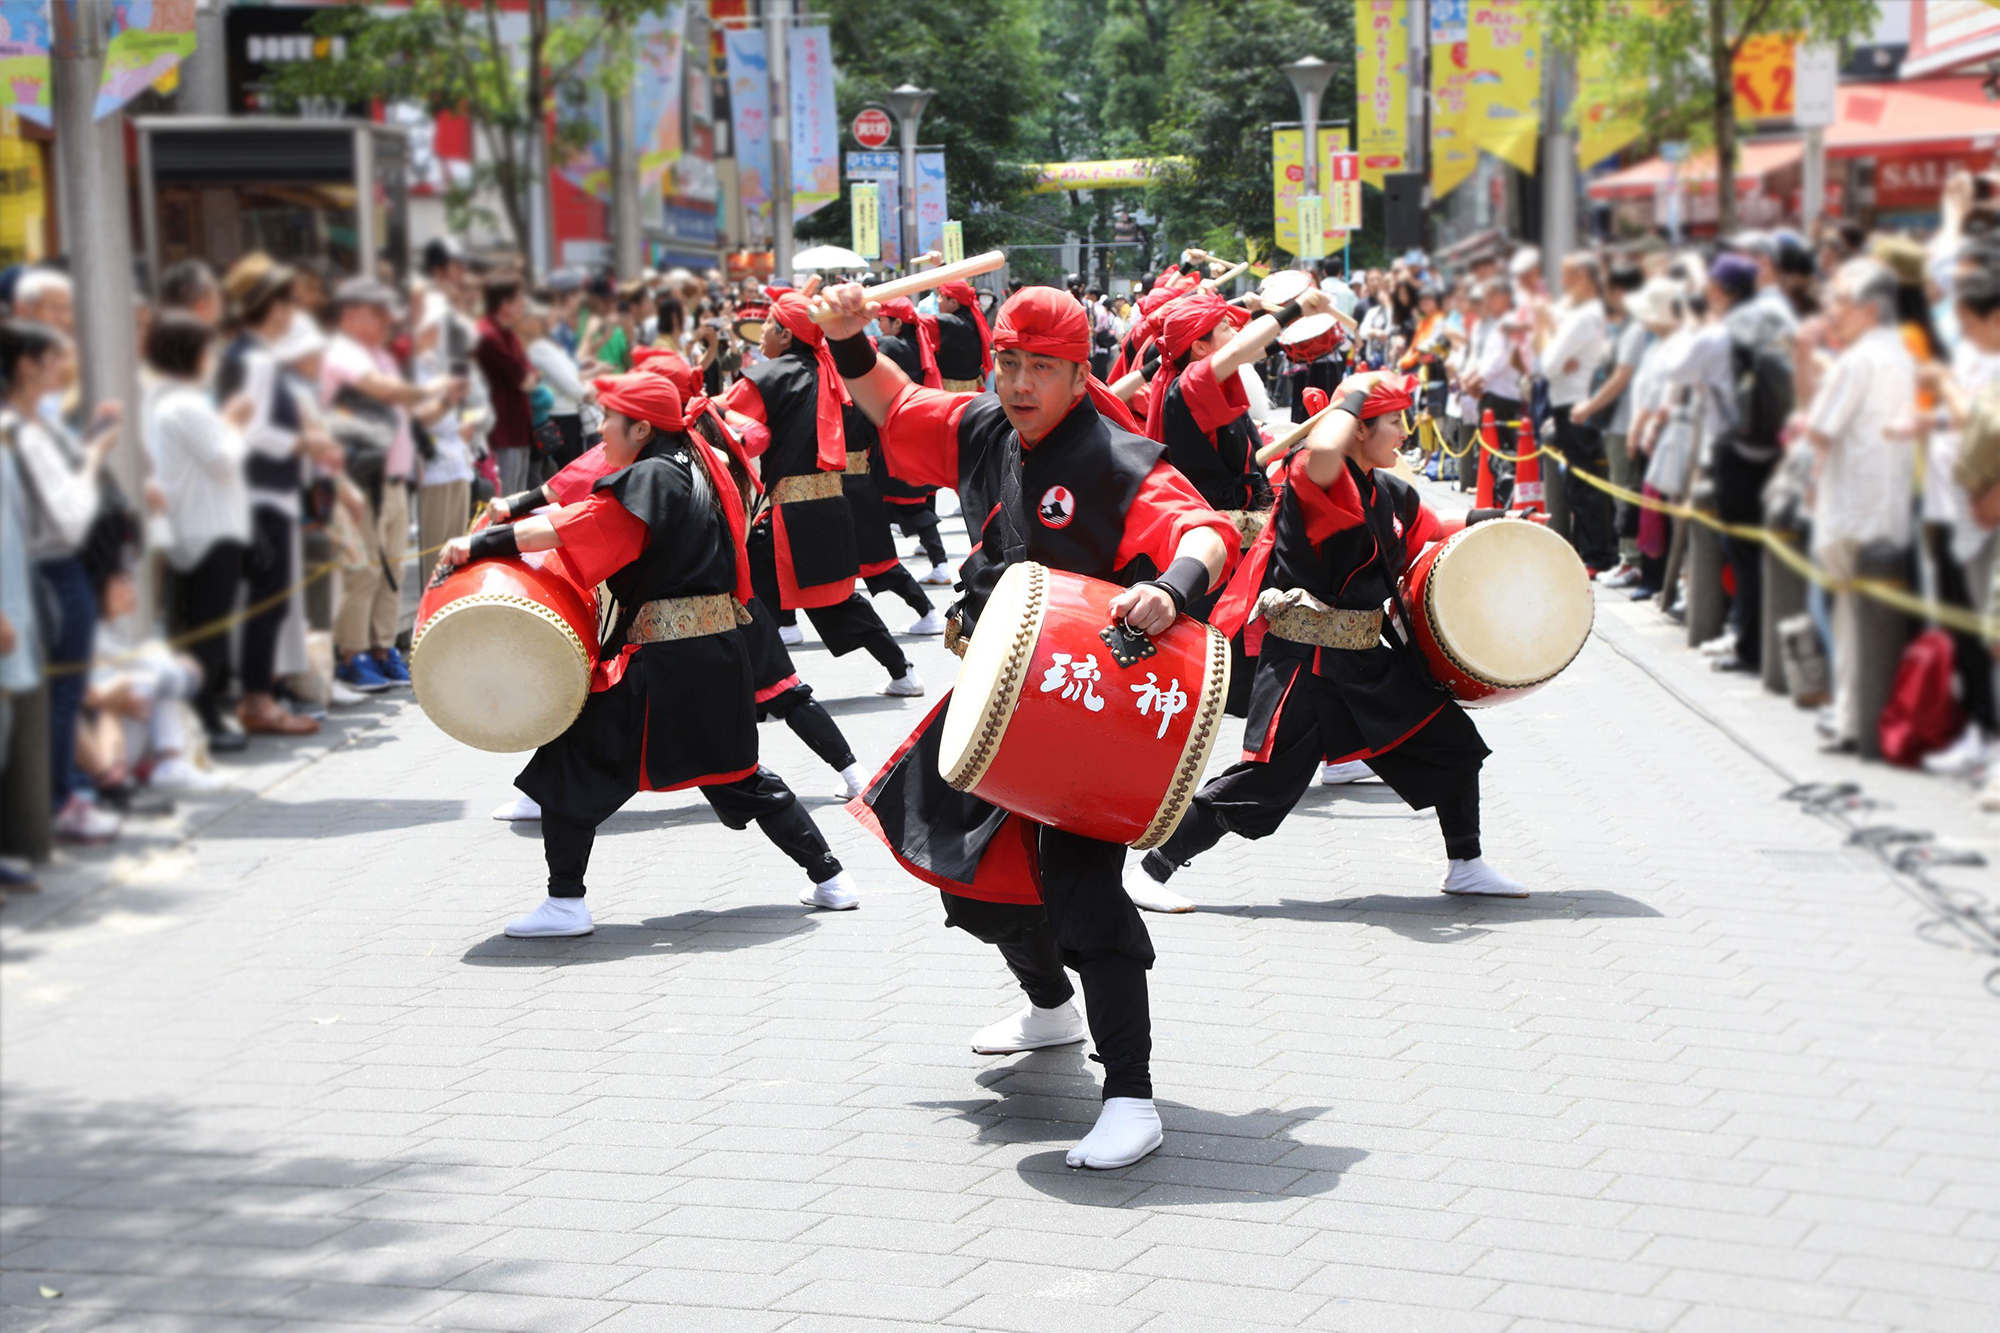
(599, 537)
(573, 483)
(1425, 530)
(1213, 403)
(920, 435)
(1166, 509)
(1327, 509)
(743, 397)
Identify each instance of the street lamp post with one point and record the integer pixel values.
(1309, 78)
(908, 103)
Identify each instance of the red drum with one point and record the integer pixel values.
(1065, 719)
(1500, 608)
(502, 652)
(1311, 338)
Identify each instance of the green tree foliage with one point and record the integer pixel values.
(1682, 52)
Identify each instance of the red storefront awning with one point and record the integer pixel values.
(1754, 161)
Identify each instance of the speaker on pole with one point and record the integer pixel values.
(1403, 211)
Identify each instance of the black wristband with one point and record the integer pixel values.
(495, 541)
(852, 357)
(1354, 402)
(1288, 314)
(1189, 266)
(523, 502)
(1185, 579)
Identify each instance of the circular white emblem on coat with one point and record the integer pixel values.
(1057, 508)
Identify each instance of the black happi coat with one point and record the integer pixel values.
(1378, 695)
(1222, 467)
(681, 715)
(874, 543)
(903, 351)
(817, 536)
(938, 832)
(960, 354)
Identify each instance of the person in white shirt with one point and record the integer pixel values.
(1862, 495)
(558, 369)
(200, 453)
(444, 497)
(1570, 360)
(1500, 368)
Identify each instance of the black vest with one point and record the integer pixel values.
(688, 548)
(1224, 469)
(959, 355)
(903, 351)
(1356, 569)
(789, 386)
(262, 471)
(1097, 465)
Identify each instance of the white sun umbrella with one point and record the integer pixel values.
(825, 259)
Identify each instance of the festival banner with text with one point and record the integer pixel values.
(1288, 181)
(1608, 109)
(1381, 86)
(1505, 52)
(886, 171)
(1454, 156)
(815, 122)
(750, 120)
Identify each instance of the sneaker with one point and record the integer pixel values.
(134, 802)
(932, 622)
(362, 672)
(1733, 662)
(1339, 775)
(941, 576)
(1644, 592)
(791, 635)
(1989, 795)
(1962, 758)
(390, 663)
(852, 783)
(228, 737)
(16, 876)
(905, 686)
(1624, 576)
(556, 918)
(519, 809)
(1031, 1030)
(1127, 1129)
(1476, 879)
(835, 895)
(81, 821)
(341, 696)
(175, 773)
(1721, 645)
(1151, 894)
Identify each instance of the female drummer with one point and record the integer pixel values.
(671, 698)
(1063, 485)
(1343, 531)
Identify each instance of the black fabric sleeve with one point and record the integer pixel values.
(852, 357)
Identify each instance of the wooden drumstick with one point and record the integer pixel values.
(1281, 446)
(922, 282)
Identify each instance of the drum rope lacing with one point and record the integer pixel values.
(967, 774)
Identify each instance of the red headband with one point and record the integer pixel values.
(961, 292)
(667, 362)
(1045, 322)
(641, 396)
(1387, 394)
(1182, 324)
(923, 332)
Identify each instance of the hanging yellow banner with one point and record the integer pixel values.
(1609, 109)
(1506, 76)
(1288, 181)
(1381, 86)
(1763, 75)
(867, 209)
(1312, 220)
(1125, 173)
(1453, 154)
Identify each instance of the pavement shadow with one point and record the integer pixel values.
(868, 703)
(660, 937)
(333, 816)
(1437, 918)
(629, 821)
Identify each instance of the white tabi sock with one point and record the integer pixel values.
(1127, 1129)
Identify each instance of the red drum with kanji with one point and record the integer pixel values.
(1498, 609)
(502, 651)
(1064, 718)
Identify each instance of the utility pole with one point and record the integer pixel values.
(627, 243)
(90, 161)
(1309, 79)
(1558, 176)
(204, 89)
(907, 103)
(777, 56)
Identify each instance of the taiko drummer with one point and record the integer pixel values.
(1057, 466)
(1313, 586)
(671, 703)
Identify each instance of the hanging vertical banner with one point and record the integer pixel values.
(24, 59)
(1505, 107)
(1609, 112)
(23, 200)
(750, 120)
(149, 38)
(1453, 154)
(815, 123)
(1764, 76)
(1288, 180)
(1342, 186)
(954, 242)
(1381, 86)
(659, 42)
(867, 218)
(931, 207)
(886, 170)
(1312, 227)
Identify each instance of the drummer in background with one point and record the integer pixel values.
(911, 341)
(779, 691)
(1343, 531)
(671, 704)
(1057, 464)
(788, 410)
(965, 344)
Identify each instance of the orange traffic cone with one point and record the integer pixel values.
(1527, 471)
(1489, 439)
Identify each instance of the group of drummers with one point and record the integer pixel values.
(1135, 547)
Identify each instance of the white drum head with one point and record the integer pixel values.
(1511, 601)
(498, 676)
(991, 676)
(1287, 284)
(1306, 329)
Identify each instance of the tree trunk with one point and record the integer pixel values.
(1722, 68)
(538, 120)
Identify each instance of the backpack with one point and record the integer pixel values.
(1923, 713)
(1764, 396)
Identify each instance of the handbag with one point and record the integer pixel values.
(365, 429)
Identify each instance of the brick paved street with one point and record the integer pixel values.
(1722, 1071)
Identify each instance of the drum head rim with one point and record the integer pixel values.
(484, 599)
(1200, 742)
(1306, 329)
(1484, 678)
(968, 768)
(1292, 282)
